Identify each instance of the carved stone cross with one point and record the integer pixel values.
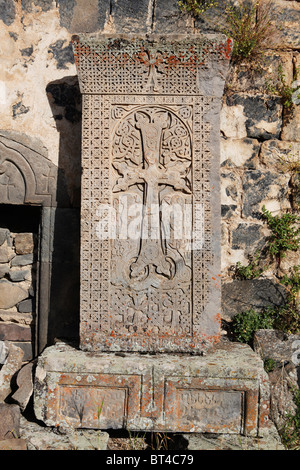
(153, 175)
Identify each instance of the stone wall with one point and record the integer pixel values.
(17, 289)
(40, 101)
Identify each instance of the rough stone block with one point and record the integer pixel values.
(277, 345)
(27, 348)
(3, 352)
(24, 243)
(291, 126)
(23, 260)
(257, 294)
(6, 253)
(4, 269)
(279, 155)
(19, 276)
(11, 294)
(12, 364)
(264, 188)
(257, 117)
(14, 332)
(25, 386)
(4, 235)
(26, 306)
(13, 444)
(175, 393)
(239, 152)
(9, 421)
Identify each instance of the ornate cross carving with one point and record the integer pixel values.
(154, 176)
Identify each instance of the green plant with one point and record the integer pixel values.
(280, 87)
(137, 440)
(246, 323)
(251, 271)
(250, 24)
(160, 441)
(287, 318)
(196, 7)
(292, 282)
(285, 232)
(269, 364)
(290, 433)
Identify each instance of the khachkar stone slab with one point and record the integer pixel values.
(225, 391)
(150, 215)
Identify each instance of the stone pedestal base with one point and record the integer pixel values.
(225, 391)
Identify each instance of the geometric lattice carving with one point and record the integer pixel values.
(150, 175)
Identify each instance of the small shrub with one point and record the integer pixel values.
(287, 318)
(292, 282)
(250, 24)
(196, 7)
(246, 323)
(285, 232)
(269, 364)
(251, 271)
(280, 87)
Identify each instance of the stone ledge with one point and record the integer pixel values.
(225, 391)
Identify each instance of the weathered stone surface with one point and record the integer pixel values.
(62, 53)
(25, 386)
(287, 19)
(19, 275)
(251, 238)
(288, 263)
(257, 294)
(44, 438)
(181, 383)
(26, 306)
(291, 127)
(283, 382)
(14, 316)
(12, 364)
(7, 11)
(279, 155)
(9, 421)
(13, 444)
(28, 175)
(24, 243)
(156, 278)
(11, 294)
(277, 345)
(239, 152)
(4, 235)
(29, 5)
(3, 352)
(264, 188)
(6, 253)
(23, 260)
(167, 18)
(4, 269)
(270, 441)
(251, 116)
(27, 348)
(14, 332)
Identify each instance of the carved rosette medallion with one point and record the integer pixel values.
(150, 235)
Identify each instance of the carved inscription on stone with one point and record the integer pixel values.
(210, 408)
(93, 406)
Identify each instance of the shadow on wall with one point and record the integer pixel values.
(63, 322)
